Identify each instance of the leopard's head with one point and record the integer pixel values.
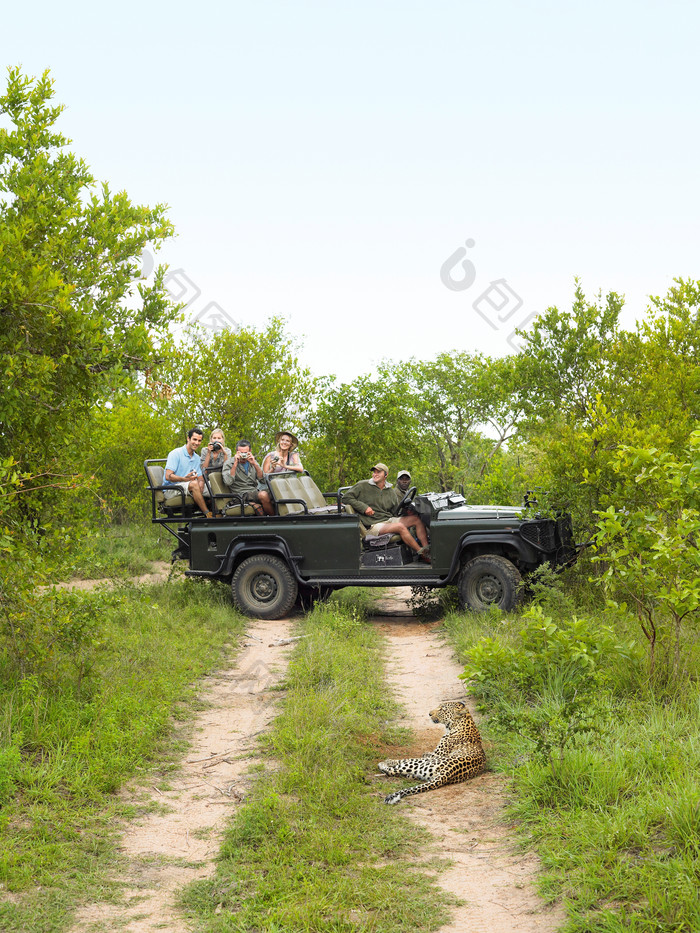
(449, 712)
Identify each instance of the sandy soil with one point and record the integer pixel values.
(467, 821)
(178, 843)
(160, 571)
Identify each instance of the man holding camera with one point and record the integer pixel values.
(183, 472)
(241, 473)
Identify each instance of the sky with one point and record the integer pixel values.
(395, 180)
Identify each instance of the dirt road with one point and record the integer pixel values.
(467, 820)
(178, 842)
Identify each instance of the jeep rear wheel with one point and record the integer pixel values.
(263, 586)
(489, 580)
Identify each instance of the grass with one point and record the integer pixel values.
(86, 552)
(72, 734)
(615, 813)
(123, 551)
(314, 848)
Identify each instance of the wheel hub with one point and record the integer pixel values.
(263, 587)
(489, 589)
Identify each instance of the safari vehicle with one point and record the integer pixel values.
(315, 544)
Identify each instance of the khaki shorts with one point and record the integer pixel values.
(377, 529)
(250, 495)
(170, 492)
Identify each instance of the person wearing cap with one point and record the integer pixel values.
(376, 502)
(403, 483)
(284, 457)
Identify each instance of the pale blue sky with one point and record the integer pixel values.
(323, 160)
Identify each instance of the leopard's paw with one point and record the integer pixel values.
(387, 767)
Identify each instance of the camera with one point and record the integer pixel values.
(216, 446)
(244, 456)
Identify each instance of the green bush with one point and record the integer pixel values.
(53, 636)
(550, 684)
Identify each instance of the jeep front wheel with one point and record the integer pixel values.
(264, 587)
(489, 580)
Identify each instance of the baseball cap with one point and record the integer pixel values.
(403, 473)
(381, 466)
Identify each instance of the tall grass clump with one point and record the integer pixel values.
(314, 848)
(90, 685)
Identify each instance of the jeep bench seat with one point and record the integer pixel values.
(176, 505)
(303, 490)
(184, 505)
(222, 499)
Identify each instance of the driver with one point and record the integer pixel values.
(403, 482)
(377, 504)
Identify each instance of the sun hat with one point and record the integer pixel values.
(295, 441)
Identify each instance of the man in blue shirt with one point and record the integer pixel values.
(183, 471)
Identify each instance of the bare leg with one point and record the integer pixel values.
(196, 493)
(398, 528)
(412, 521)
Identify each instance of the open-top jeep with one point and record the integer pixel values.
(314, 544)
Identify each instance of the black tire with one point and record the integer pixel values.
(489, 580)
(264, 587)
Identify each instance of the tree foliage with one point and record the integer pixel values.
(586, 388)
(248, 381)
(427, 416)
(74, 321)
(651, 552)
(566, 358)
(454, 399)
(356, 424)
(122, 437)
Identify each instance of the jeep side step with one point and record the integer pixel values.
(378, 580)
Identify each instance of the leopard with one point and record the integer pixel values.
(458, 755)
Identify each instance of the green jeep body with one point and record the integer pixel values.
(313, 545)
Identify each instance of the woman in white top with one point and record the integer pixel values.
(284, 457)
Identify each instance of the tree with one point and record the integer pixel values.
(248, 382)
(566, 357)
(355, 424)
(74, 321)
(122, 436)
(651, 552)
(454, 398)
(426, 416)
(656, 369)
(589, 388)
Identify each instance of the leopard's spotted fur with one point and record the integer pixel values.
(457, 757)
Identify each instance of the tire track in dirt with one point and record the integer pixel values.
(178, 843)
(160, 570)
(467, 821)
